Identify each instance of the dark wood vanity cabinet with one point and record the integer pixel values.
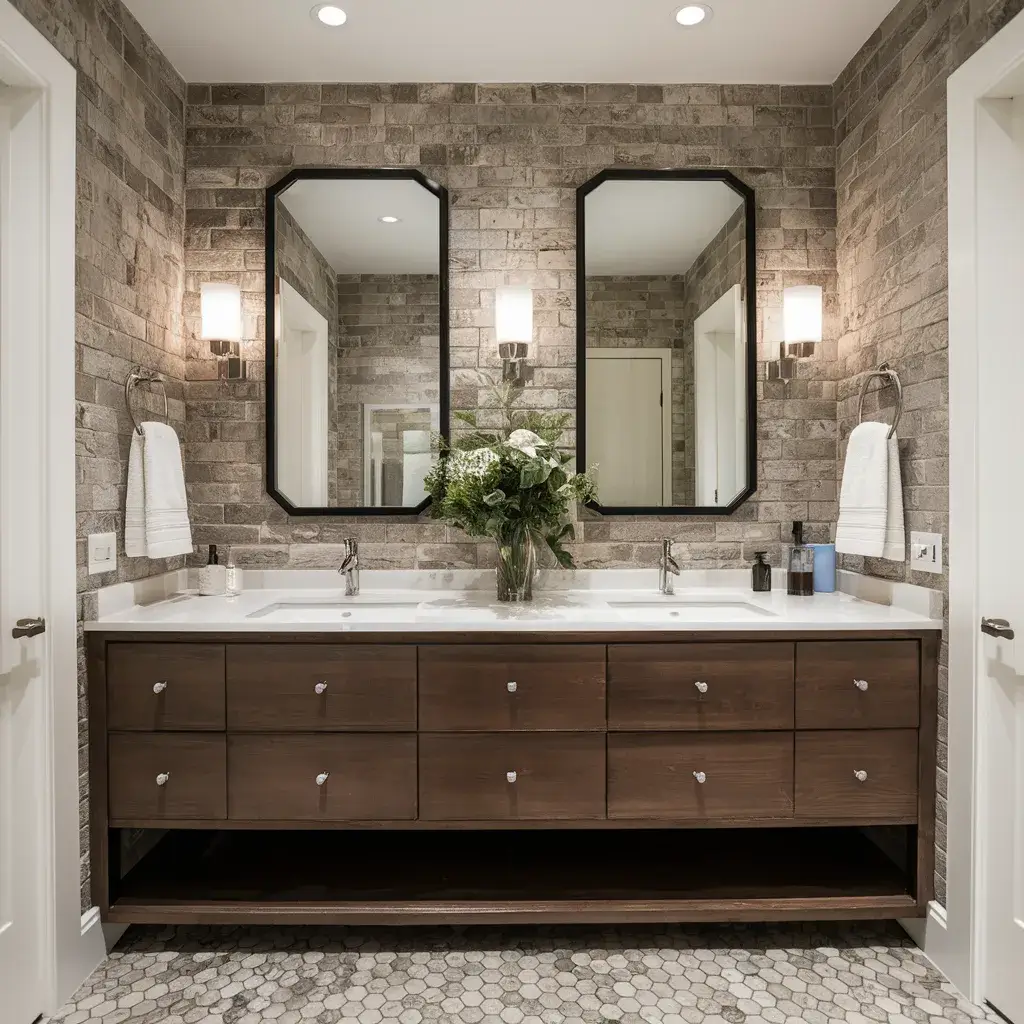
(541, 777)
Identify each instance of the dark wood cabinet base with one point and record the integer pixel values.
(534, 778)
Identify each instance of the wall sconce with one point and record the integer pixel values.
(221, 307)
(513, 330)
(802, 319)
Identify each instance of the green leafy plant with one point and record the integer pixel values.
(493, 483)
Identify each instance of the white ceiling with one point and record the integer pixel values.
(340, 218)
(653, 227)
(788, 41)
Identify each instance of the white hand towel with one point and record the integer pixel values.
(417, 462)
(156, 523)
(895, 532)
(871, 500)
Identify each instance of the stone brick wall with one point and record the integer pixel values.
(892, 256)
(648, 311)
(388, 352)
(129, 269)
(512, 157)
(302, 265)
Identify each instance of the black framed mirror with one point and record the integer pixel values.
(667, 340)
(357, 339)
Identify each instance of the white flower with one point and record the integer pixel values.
(527, 442)
(473, 463)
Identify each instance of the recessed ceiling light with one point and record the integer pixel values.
(330, 15)
(693, 14)
(389, 220)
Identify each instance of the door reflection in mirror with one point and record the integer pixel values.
(666, 267)
(357, 365)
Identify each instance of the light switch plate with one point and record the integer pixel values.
(102, 552)
(926, 552)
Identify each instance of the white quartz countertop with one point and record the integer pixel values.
(443, 603)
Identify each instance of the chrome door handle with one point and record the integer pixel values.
(28, 627)
(997, 627)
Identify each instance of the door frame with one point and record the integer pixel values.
(665, 355)
(953, 936)
(73, 942)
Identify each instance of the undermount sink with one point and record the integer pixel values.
(683, 607)
(337, 611)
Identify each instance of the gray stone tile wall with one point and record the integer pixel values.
(512, 157)
(892, 256)
(129, 269)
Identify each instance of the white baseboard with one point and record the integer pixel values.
(92, 927)
(925, 930)
(938, 942)
(97, 940)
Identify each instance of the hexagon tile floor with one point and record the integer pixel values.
(742, 974)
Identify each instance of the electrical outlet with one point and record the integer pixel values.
(102, 552)
(926, 552)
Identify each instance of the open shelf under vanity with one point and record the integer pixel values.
(347, 877)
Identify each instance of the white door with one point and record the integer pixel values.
(720, 388)
(626, 434)
(22, 660)
(302, 414)
(1001, 560)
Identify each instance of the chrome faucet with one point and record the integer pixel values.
(349, 568)
(668, 567)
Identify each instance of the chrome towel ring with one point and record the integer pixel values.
(891, 379)
(135, 378)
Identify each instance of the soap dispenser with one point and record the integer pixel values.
(762, 573)
(213, 575)
(800, 579)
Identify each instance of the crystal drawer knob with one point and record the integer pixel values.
(861, 684)
(511, 686)
(511, 776)
(700, 777)
(161, 779)
(160, 687)
(701, 687)
(322, 778)
(861, 776)
(321, 687)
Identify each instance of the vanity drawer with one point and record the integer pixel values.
(369, 777)
(165, 686)
(746, 775)
(700, 686)
(195, 766)
(857, 684)
(321, 687)
(827, 763)
(512, 776)
(514, 687)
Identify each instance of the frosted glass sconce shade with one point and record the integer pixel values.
(513, 329)
(221, 311)
(513, 314)
(802, 314)
(801, 329)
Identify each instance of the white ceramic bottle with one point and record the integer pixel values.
(213, 576)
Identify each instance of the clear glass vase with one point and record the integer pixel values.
(516, 563)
